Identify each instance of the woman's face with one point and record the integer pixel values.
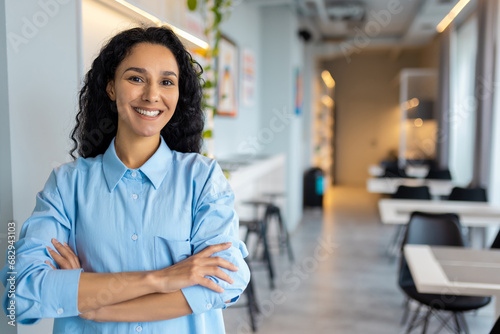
(146, 90)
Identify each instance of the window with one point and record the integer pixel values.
(463, 104)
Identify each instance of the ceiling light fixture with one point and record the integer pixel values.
(451, 15)
(187, 36)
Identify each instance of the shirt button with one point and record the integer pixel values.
(138, 329)
(134, 174)
(134, 196)
(60, 311)
(209, 306)
(134, 236)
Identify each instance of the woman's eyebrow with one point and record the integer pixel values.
(142, 70)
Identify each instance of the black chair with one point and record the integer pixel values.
(436, 230)
(394, 172)
(468, 194)
(472, 195)
(389, 164)
(496, 242)
(406, 192)
(438, 174)
(496, 327)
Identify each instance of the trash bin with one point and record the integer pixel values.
(313, 187)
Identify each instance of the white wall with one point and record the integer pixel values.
(280, 129)
(234, 135)
(6, 210)
(43, 58)
(100, 23)
(310, 76)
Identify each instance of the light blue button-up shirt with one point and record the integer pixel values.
(117, 219)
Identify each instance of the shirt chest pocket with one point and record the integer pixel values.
(169, 252)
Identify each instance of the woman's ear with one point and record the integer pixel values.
(110, 89)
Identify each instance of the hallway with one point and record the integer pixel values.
(342, 282)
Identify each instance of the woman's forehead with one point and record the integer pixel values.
(150, 57)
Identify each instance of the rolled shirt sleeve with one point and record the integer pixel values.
(42, 292)
(215, 221)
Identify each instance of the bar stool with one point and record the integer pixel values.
(251, 304)
(253, 309)
(273, 211)
(258, 227)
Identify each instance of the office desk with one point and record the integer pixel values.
(389, 185)
(471, 214)
(455, 270)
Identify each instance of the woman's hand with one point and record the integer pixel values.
(66, 258)
(192, 271)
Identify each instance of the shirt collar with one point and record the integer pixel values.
(155, 168)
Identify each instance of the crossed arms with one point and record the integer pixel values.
(147, 295)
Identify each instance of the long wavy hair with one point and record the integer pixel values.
(97, 118)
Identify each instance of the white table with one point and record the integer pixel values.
(389, 185)
(471, 214)
(414, 171)
(455, 270)
(249, 179)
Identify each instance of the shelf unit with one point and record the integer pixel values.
(323, 129)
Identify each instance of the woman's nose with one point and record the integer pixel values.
(151, 93)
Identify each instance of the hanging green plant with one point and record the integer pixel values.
(215, 12)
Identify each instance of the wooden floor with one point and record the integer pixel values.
(342, 280)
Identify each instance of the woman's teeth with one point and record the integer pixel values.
(148, 113)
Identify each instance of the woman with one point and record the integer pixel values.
(143, 227)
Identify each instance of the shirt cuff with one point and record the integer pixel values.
(62, 285)
(199, 301)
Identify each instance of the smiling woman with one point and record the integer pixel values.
(145, 89)
(140, 231)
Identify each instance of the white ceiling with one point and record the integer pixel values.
(415, 24)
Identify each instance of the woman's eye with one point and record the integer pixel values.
(135, 79)
(167, 82)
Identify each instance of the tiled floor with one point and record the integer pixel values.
(342, 280)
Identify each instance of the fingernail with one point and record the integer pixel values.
(65, 244)
(55, 240)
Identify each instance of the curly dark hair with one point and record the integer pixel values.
(97, 118)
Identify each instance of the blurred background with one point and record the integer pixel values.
(314, 99)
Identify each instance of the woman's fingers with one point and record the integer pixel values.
(219, 262)
(61, 261)
(217, 272)
(66, 258)
(210, 250)
(208, 283)
(50, 264)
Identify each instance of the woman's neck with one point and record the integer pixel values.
(135, 151)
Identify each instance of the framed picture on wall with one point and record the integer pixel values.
(228, 75)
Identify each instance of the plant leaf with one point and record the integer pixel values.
(192, 4)
(207, 133)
